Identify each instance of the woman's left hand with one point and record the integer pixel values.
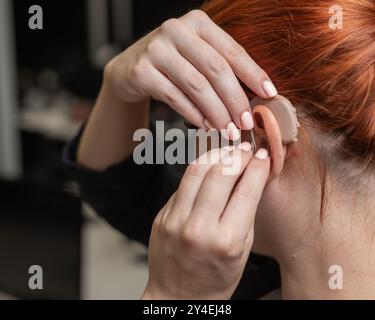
(202, 238)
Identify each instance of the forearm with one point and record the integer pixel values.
(108, 136)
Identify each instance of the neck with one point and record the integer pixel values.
(330, 274)
(337, 261)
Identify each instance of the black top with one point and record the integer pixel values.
(129, 196)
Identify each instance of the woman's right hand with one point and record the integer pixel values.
(192, 65)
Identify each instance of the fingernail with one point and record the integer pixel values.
(233, 132)
(207, 124)
(270, 89)
(224, 134)
(229, 148)
(262, 154)
(247, 121)
(245, 146)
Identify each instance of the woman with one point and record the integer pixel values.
(317, 214)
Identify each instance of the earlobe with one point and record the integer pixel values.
(268, 128)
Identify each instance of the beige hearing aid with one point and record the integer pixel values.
(285, 114)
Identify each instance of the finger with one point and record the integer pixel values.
(217, 186)
(242, 64)
(217, 71)
(239, 214)
(161, 88)
(195, 85)
(192, 181)
(168, 207)
(164, 214)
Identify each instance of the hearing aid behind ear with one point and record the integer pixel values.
(285, 114)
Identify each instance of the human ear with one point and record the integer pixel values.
(269, 136)
(276, 127)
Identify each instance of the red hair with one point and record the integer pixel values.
(328, 74)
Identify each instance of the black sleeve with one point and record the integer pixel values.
(127, 195)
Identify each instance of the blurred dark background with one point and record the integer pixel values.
(48, 83)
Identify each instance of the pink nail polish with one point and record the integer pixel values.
(262, 154)
(247, 121)
(270, 89)
(224, 134)
(233, 132)
(245, 146)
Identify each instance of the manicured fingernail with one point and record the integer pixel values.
(229, 148)
(207, 124)
(224, 134)
(262, 154)
(233, 132)
(247, 121)
(245, 146)
(270, 89)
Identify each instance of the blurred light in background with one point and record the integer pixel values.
(49, 80)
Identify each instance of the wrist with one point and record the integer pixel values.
(110, 99)
(108, 88)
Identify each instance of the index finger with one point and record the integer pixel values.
(245, 68)
(240, 212)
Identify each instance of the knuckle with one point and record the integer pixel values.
(157, 222)
(154, 46)
(195, 169)
(190, 110)
(196, 82)
(220, 249)
(170, 96)
(246, 192)
(170, 25)
(238, 101)
(235, 253)
(191, 235)
(139, 69)
(198, 14)
(217, 66)
(169, 229)
(224, 249)
(217, 170)
(109, 68)
(236, 51)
